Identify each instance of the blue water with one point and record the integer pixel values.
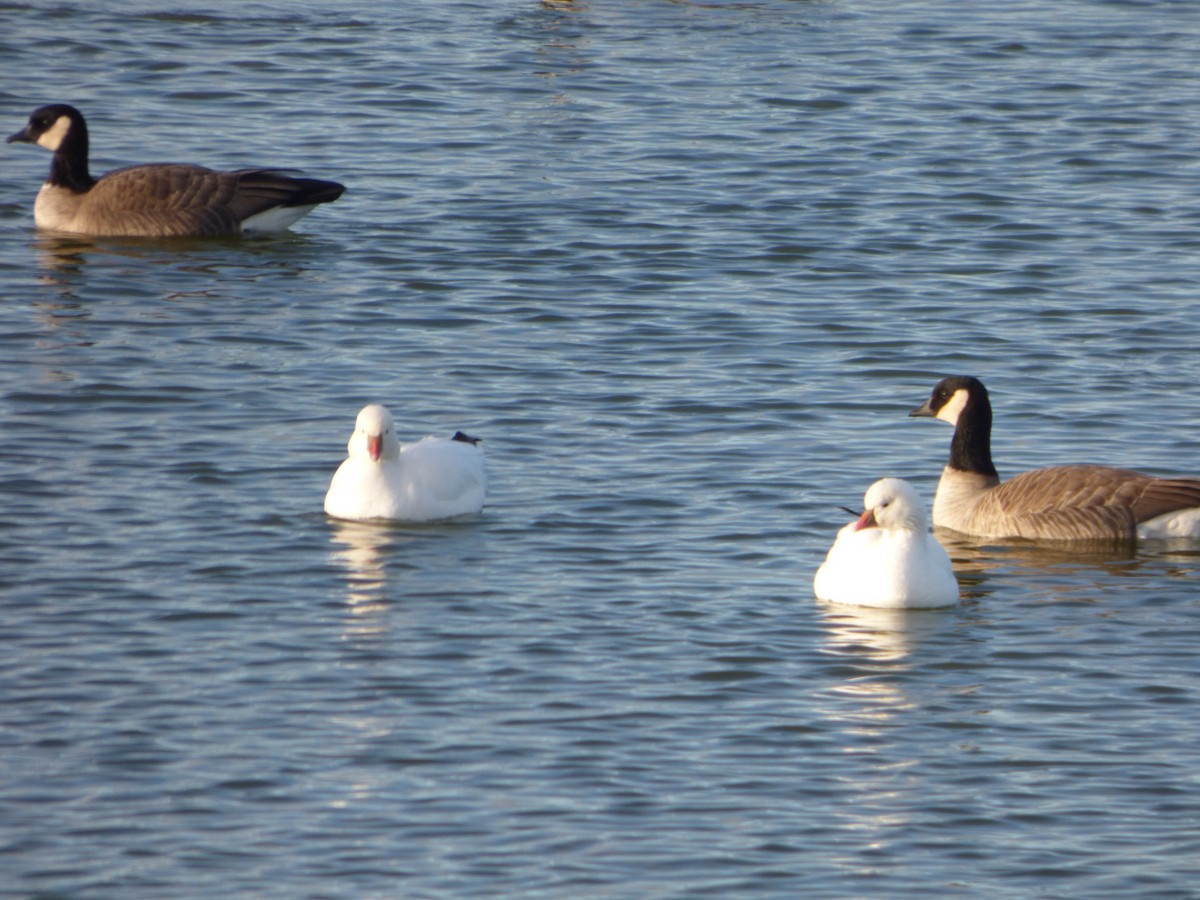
(685, 268)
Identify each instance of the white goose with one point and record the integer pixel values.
(888, 558)
(433, 478)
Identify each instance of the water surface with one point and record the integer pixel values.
(685, 267)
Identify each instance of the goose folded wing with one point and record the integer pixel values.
(1070, 502)
(1088, 502)
(164, 200)
(1080, 523)
(262, 189)
(1166, 495)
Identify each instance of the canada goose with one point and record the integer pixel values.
(158, 200)
(434, 478)
(1079, 502)
(888, 558)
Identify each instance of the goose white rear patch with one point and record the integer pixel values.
(1183, 523)
(278, 218)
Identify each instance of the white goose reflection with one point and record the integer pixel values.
(360, 548)
(875, 643)
(879, 634)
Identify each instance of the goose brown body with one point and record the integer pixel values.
(1075, 502)
(158, 200)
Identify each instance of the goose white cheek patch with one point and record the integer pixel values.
(953, 407)
(52, 139)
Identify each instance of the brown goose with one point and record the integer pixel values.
(159, 200)
(1080, 502)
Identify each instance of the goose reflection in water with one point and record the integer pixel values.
(1076, 570)
(360, 549)
(866, 632)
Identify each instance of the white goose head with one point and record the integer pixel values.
(893, 505)
(374, 436)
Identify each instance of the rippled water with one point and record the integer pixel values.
(685, 267)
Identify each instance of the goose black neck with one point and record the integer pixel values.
(69, 167)
(971, 447)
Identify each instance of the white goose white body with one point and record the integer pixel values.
(431, 479)
(888, 558)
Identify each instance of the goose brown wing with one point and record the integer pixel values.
(173, 200)
(1079, 523)
(1089, 501)
(1070, 502)
(1069, 487)
(165, 200)
(1165, 495)
(262, 189)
